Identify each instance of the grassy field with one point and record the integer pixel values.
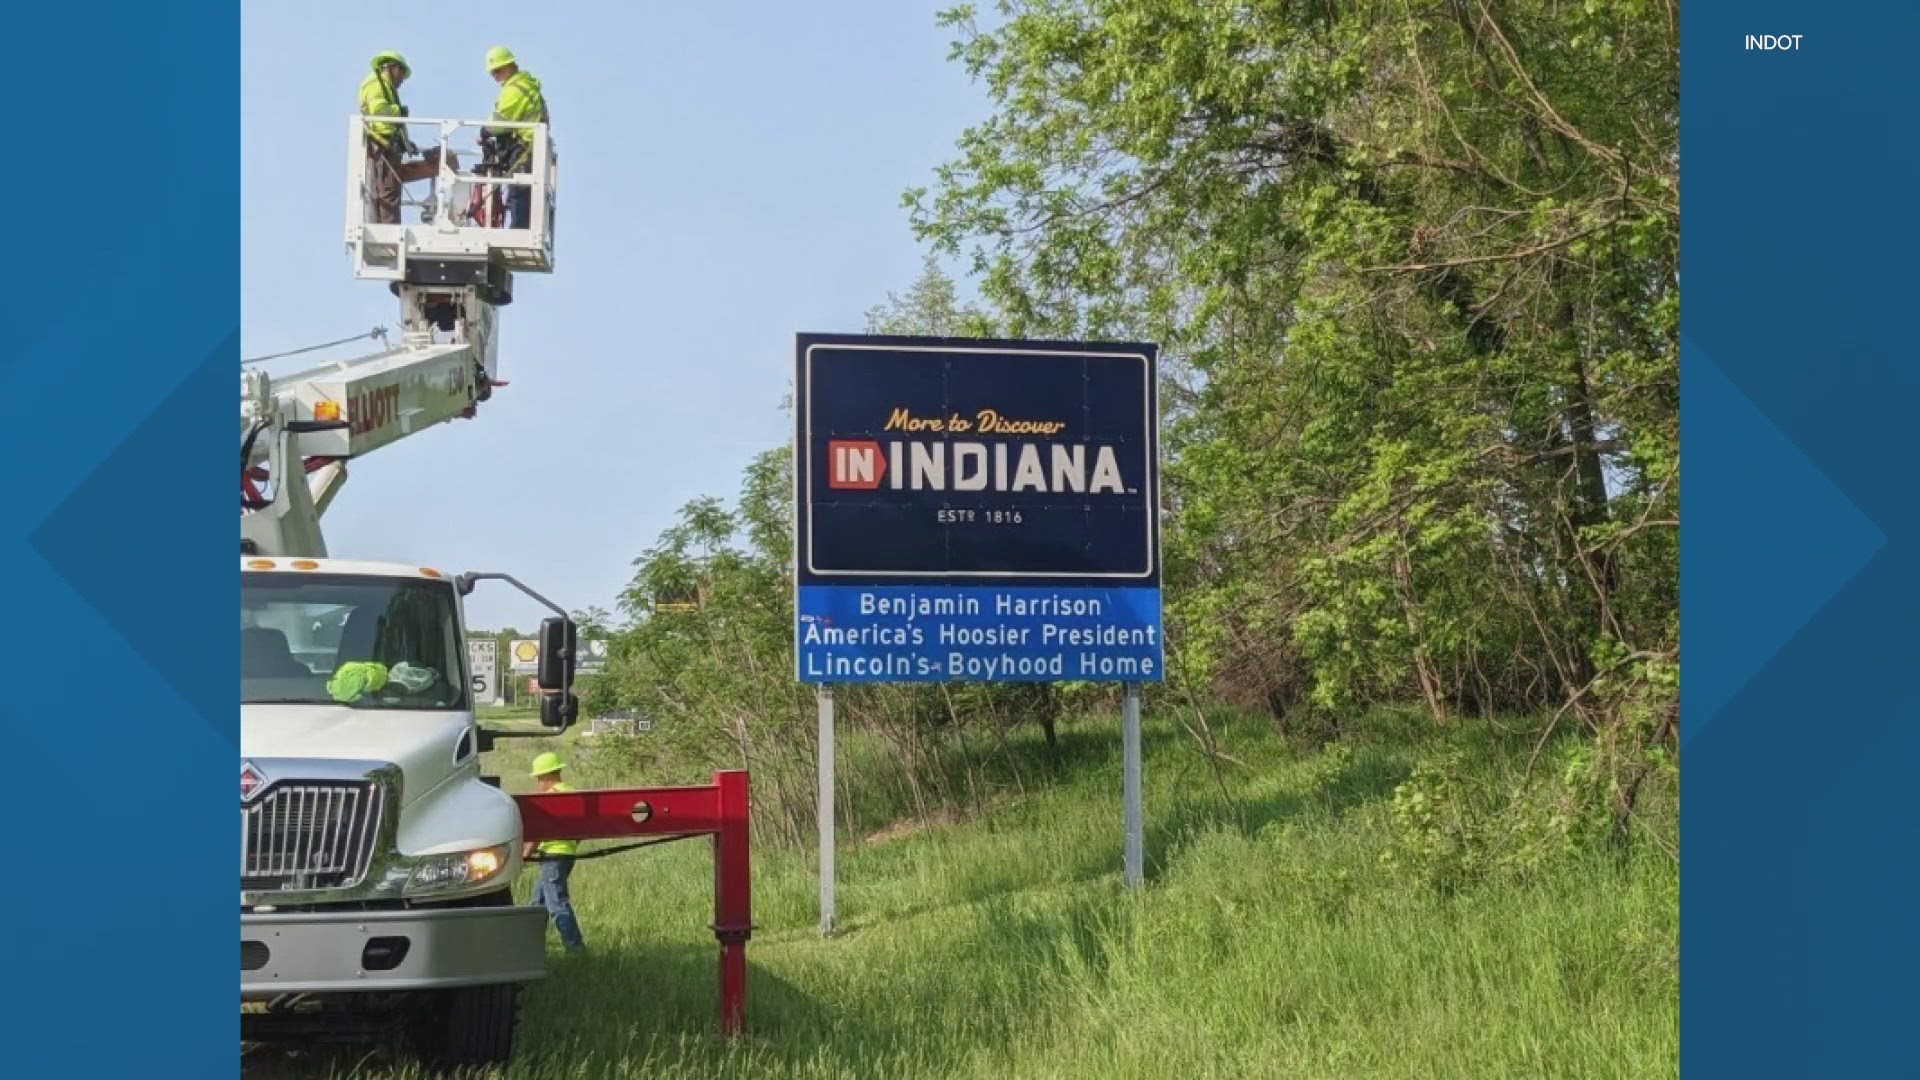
(1271, 941)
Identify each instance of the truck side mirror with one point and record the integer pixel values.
(559, 711)
(558, 638)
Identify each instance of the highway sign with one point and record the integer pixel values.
(976, 510)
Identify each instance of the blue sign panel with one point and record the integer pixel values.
(976, 510)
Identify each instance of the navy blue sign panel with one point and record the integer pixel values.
(971, 509)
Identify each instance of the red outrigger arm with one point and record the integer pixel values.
(718, 809)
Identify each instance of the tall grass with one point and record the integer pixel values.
(1272, 939)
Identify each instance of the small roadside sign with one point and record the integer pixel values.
(593, 657)
(524, 656)
(483, 665)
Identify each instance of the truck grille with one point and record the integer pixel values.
(309, 836)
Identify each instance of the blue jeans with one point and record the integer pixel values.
(550, 892)
(519, 207)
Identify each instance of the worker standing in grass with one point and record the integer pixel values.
(521, 100)
(556, 861)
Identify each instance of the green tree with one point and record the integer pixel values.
(1417, 269)
(930, 307)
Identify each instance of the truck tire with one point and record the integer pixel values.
(468, 1028)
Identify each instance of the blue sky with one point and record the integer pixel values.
(730, 174)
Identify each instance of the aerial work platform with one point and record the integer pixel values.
(455, 235)
(450, 260)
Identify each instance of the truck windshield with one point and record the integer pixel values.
(362, 642)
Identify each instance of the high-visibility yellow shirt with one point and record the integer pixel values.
(520, 100)
(559, 847)
(379, 98)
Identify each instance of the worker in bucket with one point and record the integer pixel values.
(556, 861)
(388, 145)
(522, 101)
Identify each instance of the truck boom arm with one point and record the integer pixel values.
(298, 431)
(383, 398)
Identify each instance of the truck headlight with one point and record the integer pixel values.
(436, 872)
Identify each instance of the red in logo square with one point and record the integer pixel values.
(855, 464)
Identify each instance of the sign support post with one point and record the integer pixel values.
(1135, 870)
(823, 698)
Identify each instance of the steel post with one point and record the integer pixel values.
(1135, 870)
(824, 698)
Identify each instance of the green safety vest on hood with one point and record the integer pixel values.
(378, 97)
(356, 680)
(559, 847)
(520, 100)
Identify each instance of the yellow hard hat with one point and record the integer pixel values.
(391, 57)
(548, 762)
(498, 57)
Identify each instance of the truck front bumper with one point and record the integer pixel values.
(384, 951)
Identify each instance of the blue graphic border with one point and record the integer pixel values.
(1797, 376)
(1799, 572)
(122, 303)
